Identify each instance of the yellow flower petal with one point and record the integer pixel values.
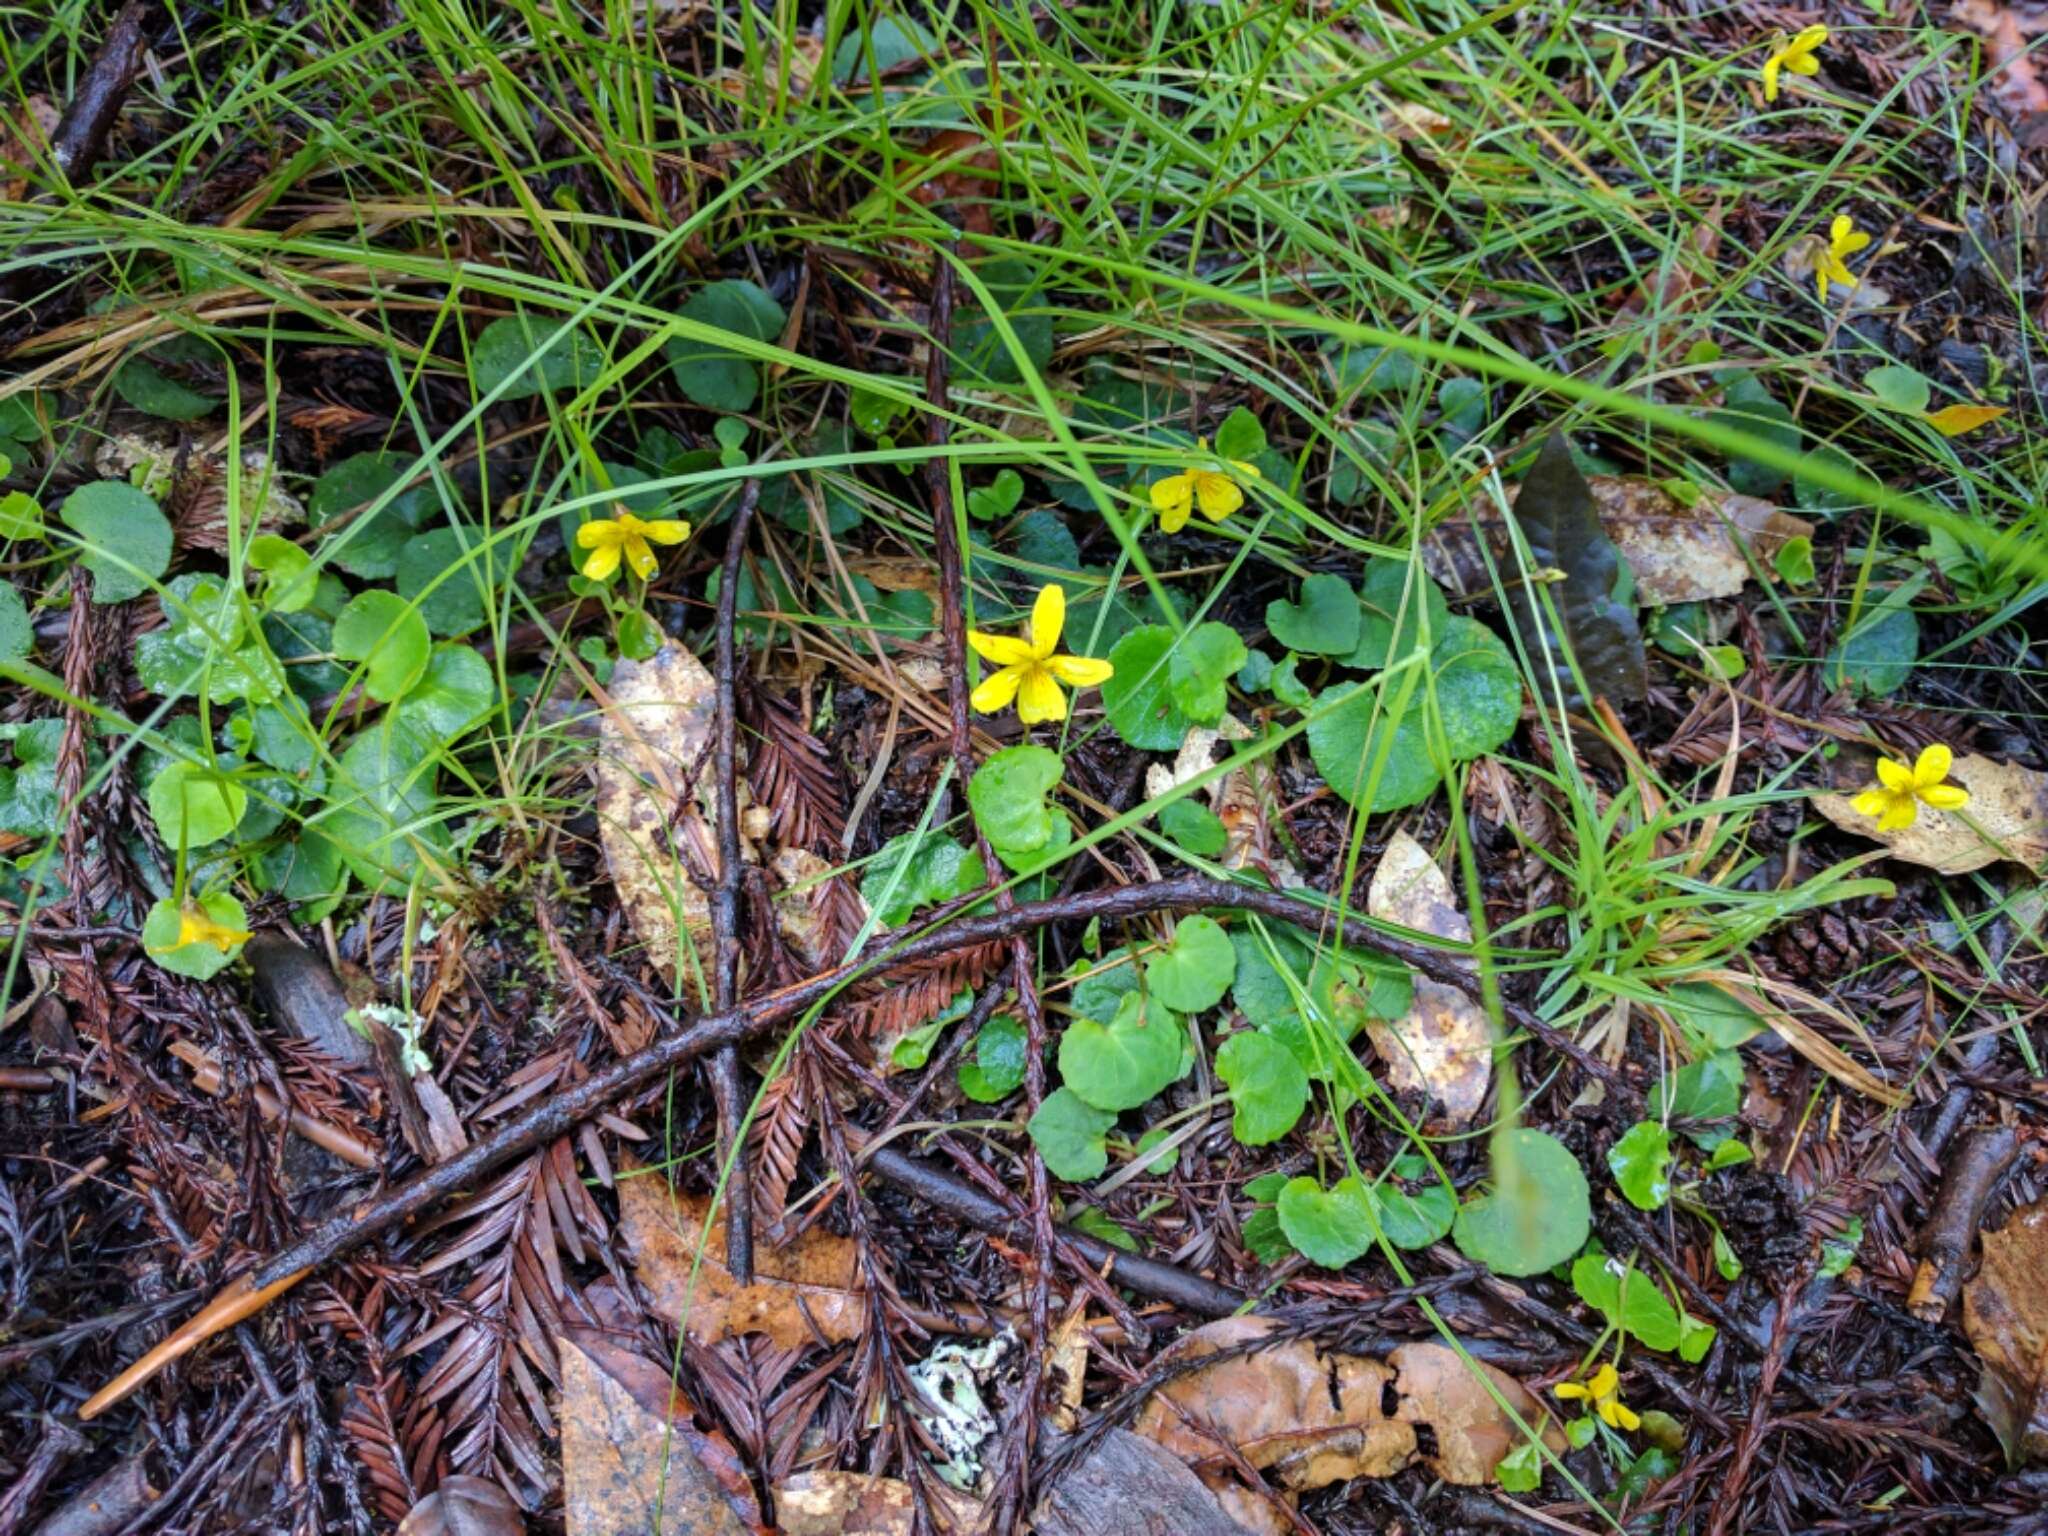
(1079, 671)
(1894, 776)
(1771, 67)
(1039, 698)
(1619, 1415)
(1003, 650)
(666, 530)
(1218, 495)
(640, 557)
(1604, 1381)
(1955, 420)
(996, 690)
(1932, 766)
(1899, 815)
(604, 559)
(1173, 498)
(1048, 618)
(1570, 1390)
(1945, 797)
(598, 533)
(1872, 802)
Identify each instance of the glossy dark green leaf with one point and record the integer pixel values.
(1558, 518)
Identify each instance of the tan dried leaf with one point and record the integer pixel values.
(804, 905)
(1312, 1418)
(465, 1506)
(803, 1292)
(2009, 803)
(1443, 1045)
(656, 736)
(2005, 1314)
(1677, 553)
(625, 1471)
(854, 1504)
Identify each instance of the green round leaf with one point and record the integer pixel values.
(1324, 623)
(201, 958)
(1240, 436)
(999, 498)
(127, 541)
(1332, 1227)
(1536, 1214)
(1100, 988)
(715, 376)
(192, 805)
(1876, 657)
(1413, 1220)
(307, 871)
(153, 392)
(1629, 1299)
(1194, 827)
(1119, 1065)
(1068, 1133)
(1901, 388)
(892, 41)
(455, 693)
(21, 516)
(998, 1066)
(518, 348)
(1477, 687)
(1794, 561)
(1008, 798)
(17, 632)
(386, 634)
(381, 803)
(290, 580)
(1641, 1163)
(1268, 1089)
(458, 603)
(1138, 696)
(1199, 670)
(369, 546)
(1194, 971)
(1391, 612)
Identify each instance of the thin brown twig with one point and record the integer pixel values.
(727, 1091)
(82, 131)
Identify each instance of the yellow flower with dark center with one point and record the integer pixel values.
(610, 538)
(1895, 799)
(1213, 491)
(1603, 1395)
(1796, 56)
(195, 927)
(1844, 240)
(1028, 671)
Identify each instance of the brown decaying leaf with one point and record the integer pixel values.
(830, 1503)
(1443, 1045)
(913, 994)
(2008, 802)
(1127, 1483)
(1677, 553)
(465, 1506)
(806, 1291)
(625, 1471)
(653, 745)
(2005, 1314)
(1311, 1418)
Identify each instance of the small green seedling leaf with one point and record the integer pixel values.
(21, 516)
(1119, 1065)
(1240, 436)
(1794, 561)
(1332, 1227)
(1199, 671)
(1521, 1470)
(1725, 1261)
(1536, 1214)
(1695, 1337)
(1324, 623)
(1838, 1253)
(1629, 1299)
(385, 633)
(1195, 828)
(1413, 1219)
(1699, 1095)
(289, 577)
(1641, 1162)
(1268, 1089)
(1194, 971)
(1008, 794)
(1729, 1154)
(1069, 1132)
(998, 499)
(200, 958)
(1877, 655)
(998, 1066)
(1900, 388)
(192, 806)
(934, 869)
(126, 539)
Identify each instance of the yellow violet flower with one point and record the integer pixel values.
(195, 927)
(1213, 491)
(608, 538)
(1602, 1395)
(1844, 239)
(1029, 672)
(1895, 799)
(1797, 56)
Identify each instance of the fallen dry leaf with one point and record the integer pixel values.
(855, 1504)
(658, 845)
(1312, 1418)
(464, 1506)
(1677, 553)
(625, 1471)
(801, 1293)
(1955, 420)
(1443, 1045)
(2005, 1314)
(2009, 803)
(1126, 1483)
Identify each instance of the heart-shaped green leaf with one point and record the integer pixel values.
(1418, 1218)
(1240, 436)
(455, 693)
(1332, 1227)
(1121, 1064)
(1393, 602)
(1324, 623)
(1641, 1163)
(1068, 1133)
(998, 1066)
(1268, 1089)
(1138, 696)
(125, 541)
(527, 351)
(1008, 798)
(1629, 1299)
(1200, 668)
(714, 375)
(192, 805)
(1195, 828)
(1194, 971)
(384, 632)
(200, 958)
(999, 498)
(1536, 1214)
(912, 872)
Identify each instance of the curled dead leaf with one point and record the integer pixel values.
(1443, 1045)
(803, 1292)
(464, 1506)
(2008, 806)
(1677, 553)
(831, 1503)
(1311, 1418)
(2005, 1315)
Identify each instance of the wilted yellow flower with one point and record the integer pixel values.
(1797, 56)
(1029, 671)
(1213, 491)
(1895, 799)
(1844, 239)
(195, 927)
(1602, 1393)
(608, 538)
